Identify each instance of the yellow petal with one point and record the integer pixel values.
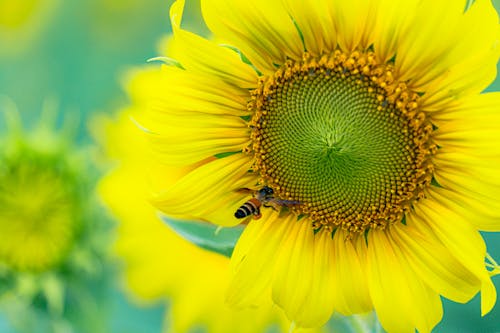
(173, 267)
(229, 204)
(478, 197)
(189, 117)
(478, 108)
(198, 54)
(391, 23)
(253, 261)
(463, 241)
(195, 151)
(439, 66)
(130, 206)
(315, 21)
(318, 306)
(198, 125)
(386, 284)
(420, 51)
(199, 192)
(253, 232)
(458, 164)
(293, 276)
(354, 22)
(475, 141)
(261, 29)
(481, 212)
(434, 263)
(470, 76)
(402, 301)
(454, 160)
(488, 296)
(351, 293)
(471, 126)
(467, 161)
(471, 64)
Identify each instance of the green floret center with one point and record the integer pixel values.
(334, 139)
(40, 213)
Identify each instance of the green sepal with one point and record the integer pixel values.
(227, 154)
(243, 58)
(167, 61)
(206, 235)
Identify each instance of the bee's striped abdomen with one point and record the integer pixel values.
(248, 208)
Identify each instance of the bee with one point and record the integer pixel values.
(263, 197)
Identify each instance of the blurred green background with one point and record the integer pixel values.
(75, 52)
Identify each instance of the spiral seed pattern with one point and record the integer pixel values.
(344, 138)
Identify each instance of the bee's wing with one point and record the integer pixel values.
(245, 190)
(284, 202)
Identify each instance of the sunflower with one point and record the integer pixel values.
(53, 242)
(365, 123)
(160, 265)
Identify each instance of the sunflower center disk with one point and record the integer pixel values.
(342, 137)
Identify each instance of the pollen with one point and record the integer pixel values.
(343, 137)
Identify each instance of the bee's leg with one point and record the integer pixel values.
(257, 215)
(272, 205)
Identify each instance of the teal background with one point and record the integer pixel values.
(78, 60)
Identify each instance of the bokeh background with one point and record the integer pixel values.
(74, 54)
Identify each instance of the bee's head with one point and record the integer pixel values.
(266, 191)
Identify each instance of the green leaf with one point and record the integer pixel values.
(206, 235)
